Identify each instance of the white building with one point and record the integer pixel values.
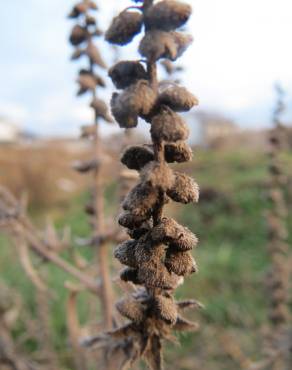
(9, 132)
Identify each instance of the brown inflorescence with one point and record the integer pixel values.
(158, 255)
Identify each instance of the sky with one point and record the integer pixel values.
(241, 47)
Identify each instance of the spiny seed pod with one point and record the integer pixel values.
(158, 255)
(160, 44)
(157, 175)
(125, 253)
(181, 263)
(141, 199)
(130, 274)
(124, 27)
(178, 98)
(166, 309)
(178, 236)
(78, 35)
(131, 221)
(94, 55)
(124, 74)
(178, 152)
(185, 189)
(168, 126)
(167, 15)
(101, 109)
(136, 157)
(137, 100)
(131, 309)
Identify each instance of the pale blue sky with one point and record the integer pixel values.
(240, 48)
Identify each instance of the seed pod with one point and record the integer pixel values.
(131, 309)
(157, 175)
(141, 200)
(124, 27)
(87, 82)
(178, 98)
(181, 263)
(78, 35)
(131, 221)
(169, 231)
(189, 304)
(124, 74)
(78, 10)
(177, 152)
(91, 21)
(185, 189)
(141, 231)
(160, 44)
(166, 309)
(168, 126)
(167, 15)
(101, 110)
(125, 253)
(130, 274)
(94, 55)
(183, 324)
(137, 99)
(98, 79)
(157, 276)
(136, 157)
(77, 54)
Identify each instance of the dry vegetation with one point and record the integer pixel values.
(58, 279)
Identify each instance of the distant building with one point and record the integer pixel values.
(9, 132)
(214, 128)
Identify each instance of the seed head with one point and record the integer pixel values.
(124, 74)
(124, 27)
(185, 189)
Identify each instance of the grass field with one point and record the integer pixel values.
(229, 221)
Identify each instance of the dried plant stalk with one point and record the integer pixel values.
(158, 254)
(279, 338)
(82, 36)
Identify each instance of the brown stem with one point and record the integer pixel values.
(99, 229)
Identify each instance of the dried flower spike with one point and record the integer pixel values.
(158, 256)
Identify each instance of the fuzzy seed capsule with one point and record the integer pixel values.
(166, 309)
(124, 27)
(167, 15)
(125, 73)
(125, 253)
(160, 44)
(136, 157)
(180, 263)
(185, 189)
(137, 100)
(78, 35)
(131, 309)
(141, 200)
(177, 152)
(178, 98)
(157, 175)
(101, 109)
(168, 126)
(94, 55)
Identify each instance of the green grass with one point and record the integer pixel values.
(231, 256)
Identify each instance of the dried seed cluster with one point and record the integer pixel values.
(158, 255)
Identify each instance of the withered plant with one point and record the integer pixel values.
(280, 333)
(82, 37)
(158, 253)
